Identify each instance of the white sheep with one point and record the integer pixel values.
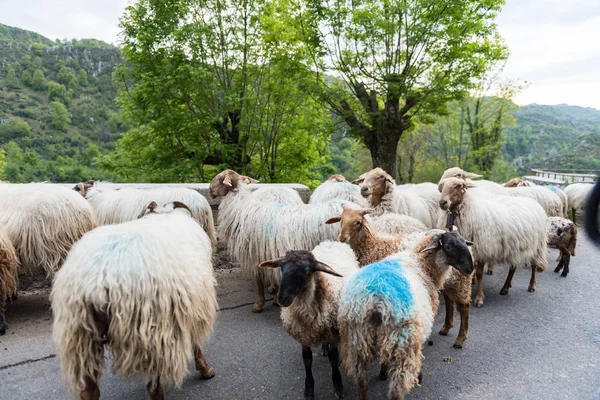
(145, 289)
(387, 310)
(278, 194)
(392, 224)
(9, 277)
(309, 293)
(43, 221)
(417, 201)
(337, 187)
(114, 206)
(578, 194)
(255, 231)
(503, 229)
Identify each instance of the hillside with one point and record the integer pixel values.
(57, 108)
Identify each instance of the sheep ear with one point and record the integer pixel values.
(333, 220)
(360, 179)
(178, 204)
(434, 246)
(275, 263)
(148, 209)
(367, 211)
(469, 185)
(79, 188)
(472, 175)
(227, 181)
(390, 180)
(322, 267)
(469, 243)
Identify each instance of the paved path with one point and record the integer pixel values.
(542, 345)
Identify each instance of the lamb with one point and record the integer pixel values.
(278, 194)
(9, 278)
(417, 201)
(310, 301)
(562, 234)
(503, 229)
(42, 221)
(370, 246)
(145, 289)
(578, 193)
(337, 187)
(114, 206)
(387, 310)
(255, 231)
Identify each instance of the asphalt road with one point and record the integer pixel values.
(542, 345)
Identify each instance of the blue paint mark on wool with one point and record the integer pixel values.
(277, 206)
(385, 280)
(350, 186)
(338, 202)
(553, 189)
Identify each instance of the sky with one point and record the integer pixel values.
(554, 44)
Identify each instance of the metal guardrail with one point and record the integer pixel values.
(562, 178)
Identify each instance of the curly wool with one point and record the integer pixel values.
(113, 206)
(550, 201)
(312, 318)
(417, 201)
(154, 280)
(9, 277)
(278, 194)
(562, 234)
(43, 221)
(330, 190)
(393, 224)
(255, 231)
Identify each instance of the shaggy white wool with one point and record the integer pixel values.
(153, 277)
(550, 201)
(9, 277)
(392, 223)
(330, 190)
(43, 221)
(275, 194)
(578, 194)
(113, 206)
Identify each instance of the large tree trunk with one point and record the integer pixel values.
(383, 148)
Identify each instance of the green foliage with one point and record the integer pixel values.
(12, 82)
(56, 91)
(60, 117)
(27, 78)
(16, 128)
(39, 80)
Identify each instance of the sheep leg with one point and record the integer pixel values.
(202, 366)
(449, 321)
(155, 390)
(324, 350)
(463, 333)
(91, 390)
(383, 372)
(480, 295)
(3, 323)
(362, 381)
(272, 289)
(567, 260)
(336, 376)
(309, 381)
(531, 287)
(508, 282)
(561, 264)
(260, 292)
(490, 269)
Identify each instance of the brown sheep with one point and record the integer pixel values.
(562, 234)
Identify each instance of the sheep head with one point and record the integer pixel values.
(297, 268)
(353, 222)
(153, 208)
(450, 249)
(453, 192)
(83, 187)
(514, 182)
(337, 178)
(227, 181)
(375, 183)
(457, 172)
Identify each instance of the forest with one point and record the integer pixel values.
(282, 91)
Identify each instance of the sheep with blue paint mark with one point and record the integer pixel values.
(337, 187)
(578, 194)
(387, 310)
(309, 293)
(255, 231)
(278, 194)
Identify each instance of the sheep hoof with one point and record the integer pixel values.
(489, 272)
(339, 393)
(564, 274)
(309, 395)
(420, 378)
(478, 303)
(557, 269)
(271, 290)
(457, 345)
(3, 327)
(531, 289)
(13, 298)
(444, 331)
(208, 375)
(256, 308)
(324, 350)
(504, 291)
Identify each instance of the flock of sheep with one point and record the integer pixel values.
(361, 266)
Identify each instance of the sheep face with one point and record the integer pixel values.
(227, 181)
(153, 208)
(452, 249)
(514, 182)
(457, 172)
(375, 183)
(297, 269)
(453, 192)
(83, 187)
(337, 178)
(353, 222)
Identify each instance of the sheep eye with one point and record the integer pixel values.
(358, 222)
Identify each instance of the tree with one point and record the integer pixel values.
(27, 78)
(60, 117)
(393, 61)
(11, 78)
(39, 80)
(56, 91)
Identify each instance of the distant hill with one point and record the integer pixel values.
(559, 137)
(57, 108)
